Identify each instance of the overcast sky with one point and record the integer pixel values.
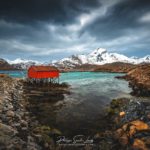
(52, 29)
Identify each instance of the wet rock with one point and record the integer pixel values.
(122, 114)
(10, 113)
(16, 125)
(8, 107)
(6, 133)
(133, 111)
(24, 129)
(124, 140)
(46, 145)
(23, 123)
(13, 127)
(147, 141)
(139, 145)
(7, 129)
(139, 125)
(131, 128)
(118, 133)
(131, 122)
(148, 115)
(18, 117)
(43, 135)
(55, 132)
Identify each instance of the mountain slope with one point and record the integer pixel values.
(4, 65)
(22, 63)
(100, 56)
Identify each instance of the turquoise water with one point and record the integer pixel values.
(91, 92)
(99, 84)
(15, 74)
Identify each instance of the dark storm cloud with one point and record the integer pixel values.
(57, 28)
(120, 19)
(38, 25)
(121, 27)
(56, 11)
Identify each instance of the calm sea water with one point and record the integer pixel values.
(91, 92)
(15, 74)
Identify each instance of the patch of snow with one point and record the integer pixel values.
(19, 60)
(23, 63)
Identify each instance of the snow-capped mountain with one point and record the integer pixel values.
(4, 65)
(3, 61)
(100, 56)
(23, 63)
(146, 58)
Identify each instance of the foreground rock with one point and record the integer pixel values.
(14, 118)
(19, 127)
(130, 127)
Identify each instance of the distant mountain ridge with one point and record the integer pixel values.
(23, 63)
(4, 65)
(100, 56)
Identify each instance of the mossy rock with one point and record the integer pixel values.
(42, 130)
(45, 136)
(118, 103)
(56, 132)
(46, 132)
(104, 145)
(111, 111)
(116, 106)
(64, 84)
(115, 103)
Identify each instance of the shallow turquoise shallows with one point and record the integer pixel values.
(96, 83)
(15, 74)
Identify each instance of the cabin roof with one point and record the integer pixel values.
(44, 68)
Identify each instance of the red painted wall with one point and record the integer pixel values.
(41, 74)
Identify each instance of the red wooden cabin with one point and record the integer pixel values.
(43, 72)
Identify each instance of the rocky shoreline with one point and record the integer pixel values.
(19, 128)
(130, 126)
(14, 126)
(139, 80)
